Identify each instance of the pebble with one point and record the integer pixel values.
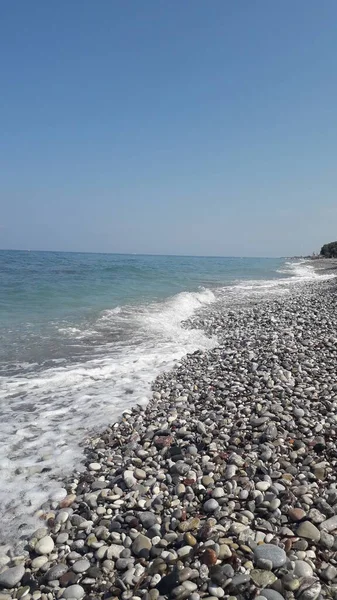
(329, 573)
(80, 566)
(95, 466)
(274, 554)
(262, 578)
(211, 505)
(39, 561)
(308, 531)
(11, 577)
(141, 546)
(329, 524)
(56, 572)
(302, 569)
(296, 514)
(45, 545)
(75, 592)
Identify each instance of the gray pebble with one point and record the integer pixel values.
(11, 577)
(274, 554)
(73, 591)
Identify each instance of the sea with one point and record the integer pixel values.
(82, 338)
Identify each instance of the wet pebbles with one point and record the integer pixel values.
(224, 486)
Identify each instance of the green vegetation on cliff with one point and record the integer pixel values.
(329, 250)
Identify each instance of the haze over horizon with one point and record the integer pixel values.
(184, 128)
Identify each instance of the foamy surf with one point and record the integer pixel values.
(46, 415)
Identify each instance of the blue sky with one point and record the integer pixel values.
(181, 127)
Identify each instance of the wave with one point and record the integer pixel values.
(46, 415)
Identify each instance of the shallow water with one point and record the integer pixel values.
(82, 338)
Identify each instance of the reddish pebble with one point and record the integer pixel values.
(209, 557)
(296, 514)
(163, 441)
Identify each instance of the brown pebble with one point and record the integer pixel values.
(209, 557)
(68, 579)
(296, 514)
(67, 501)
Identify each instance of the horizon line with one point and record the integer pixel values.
(146, 254)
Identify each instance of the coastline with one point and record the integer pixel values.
(177, 498)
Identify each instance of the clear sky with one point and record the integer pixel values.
(168, 126)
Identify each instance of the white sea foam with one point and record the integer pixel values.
(297, 273)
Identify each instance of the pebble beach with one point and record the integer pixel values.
(223, 486)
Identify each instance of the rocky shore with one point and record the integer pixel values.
(224, 486)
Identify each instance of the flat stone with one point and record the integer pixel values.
(262, 578)
(74, 591)
(239, 580)
(11, 577)
(62, 538)
(218, 492)
(326, 540)
(141, 546)
(147, 519)
(68, 578)
(140, 474)
(262, 486)
(38, 562)
(275, 554)
(308, 531)
(80, 566)
(95, 466)
(302, 569)
(45, 545)
(329, 524)
(56, 572)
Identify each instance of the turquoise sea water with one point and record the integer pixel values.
(82, 338)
